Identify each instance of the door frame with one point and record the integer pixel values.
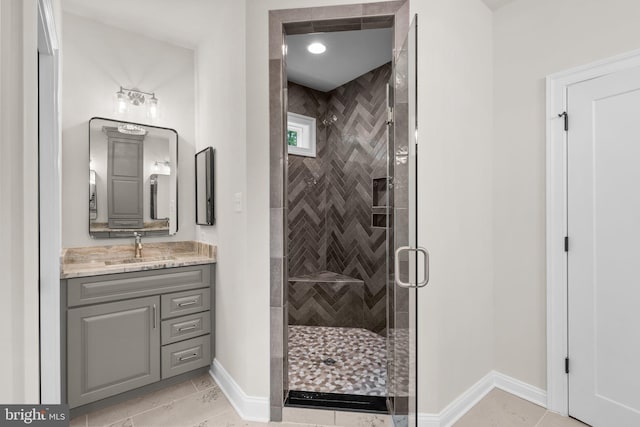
(556, 198)
(49, 197)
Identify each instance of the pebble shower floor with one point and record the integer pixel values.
(337, 360)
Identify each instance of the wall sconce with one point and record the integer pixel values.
(126, 97)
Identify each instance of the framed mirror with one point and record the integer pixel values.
(205, 187)
(133, 179)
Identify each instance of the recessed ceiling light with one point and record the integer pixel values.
(316, 48)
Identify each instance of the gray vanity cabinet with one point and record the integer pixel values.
(112, 348)
(130, 330)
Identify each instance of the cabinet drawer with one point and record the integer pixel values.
(185, 327)
(187, 302)
(113, 287)
(185, 356)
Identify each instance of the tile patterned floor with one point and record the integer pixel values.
(201, 403)
(337, 360)
(501, 409)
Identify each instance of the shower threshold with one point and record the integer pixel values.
(336, 401)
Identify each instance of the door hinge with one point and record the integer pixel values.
(566, 120)
(389, 116)
(566, 243)
(566, 365)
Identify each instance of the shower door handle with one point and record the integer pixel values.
(396, 269)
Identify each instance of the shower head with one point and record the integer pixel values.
(329, 120)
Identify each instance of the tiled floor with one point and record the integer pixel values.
(337, 360)
(501, 409)
(197, 402)
(201, 403)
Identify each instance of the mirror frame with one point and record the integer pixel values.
(177, 168)
(209, 153)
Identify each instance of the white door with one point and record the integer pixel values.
(604, 250)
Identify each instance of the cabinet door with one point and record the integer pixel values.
(112, 348)
(124, 173)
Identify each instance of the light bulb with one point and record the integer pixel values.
(316, 48)
(153, 107)
(121, 103)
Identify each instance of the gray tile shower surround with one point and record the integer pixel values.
(281, 21)
(326, 299)
(330, 205)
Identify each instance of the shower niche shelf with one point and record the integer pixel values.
(379, 218)
(380, 213)
(380, 191)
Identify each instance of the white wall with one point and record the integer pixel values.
(242, 331)
(97, 60)
(534, 38)
(19, 360)
(455, 122)
(455, 188)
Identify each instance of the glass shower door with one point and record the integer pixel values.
(408, 263)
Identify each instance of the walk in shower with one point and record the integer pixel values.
(338, 222)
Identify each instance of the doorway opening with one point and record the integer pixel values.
(337, 216)
(333, 221)
(588, 294)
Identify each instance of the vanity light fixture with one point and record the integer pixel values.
(137, 98)
(316, 48)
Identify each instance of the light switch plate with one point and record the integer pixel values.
(237, 202)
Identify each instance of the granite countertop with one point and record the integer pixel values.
(97, 260)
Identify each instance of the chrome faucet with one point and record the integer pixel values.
(138, 244)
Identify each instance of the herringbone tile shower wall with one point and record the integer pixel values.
(307, 189)
(330, 197)
(359, 153)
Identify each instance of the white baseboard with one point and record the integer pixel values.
(521, 389)
(463, 403)
(428, 420)
(250, 408)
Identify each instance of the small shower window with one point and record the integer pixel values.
(301, 135)
(293, 138)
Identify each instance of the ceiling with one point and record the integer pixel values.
(349, 54)
(183, 23)
(186, 22)
(496, 4)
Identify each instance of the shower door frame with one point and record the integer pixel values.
(299, 21)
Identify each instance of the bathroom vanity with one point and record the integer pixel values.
(133, 323)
